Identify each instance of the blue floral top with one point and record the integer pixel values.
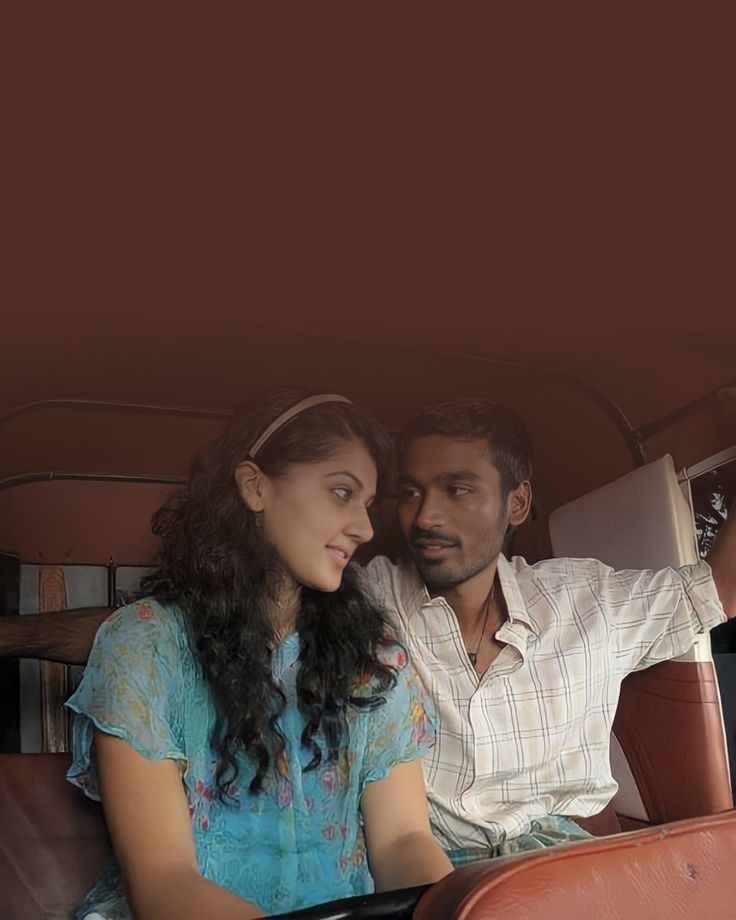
(299, 842)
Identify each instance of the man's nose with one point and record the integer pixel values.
(429, 513)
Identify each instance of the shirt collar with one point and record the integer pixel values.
(520, 623)
(515, 603)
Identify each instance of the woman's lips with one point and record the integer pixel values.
(339, 555)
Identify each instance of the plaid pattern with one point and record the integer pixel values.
(531, 737)
(544, 833)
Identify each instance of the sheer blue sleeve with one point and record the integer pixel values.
(402, 728)
(131, 688)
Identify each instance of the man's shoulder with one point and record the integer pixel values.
(381, 577)
(393, 585)
(557, 571)
(552, 590)
(380, 566)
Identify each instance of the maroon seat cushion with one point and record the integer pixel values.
(53, 839)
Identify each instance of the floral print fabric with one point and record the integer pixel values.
(299, 842)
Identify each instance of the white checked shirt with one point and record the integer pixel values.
(531, 737)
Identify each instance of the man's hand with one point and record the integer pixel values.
(722, 560)
(722, 557)
(65, 635)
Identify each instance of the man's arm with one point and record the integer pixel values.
(64, 636)
(722, 560)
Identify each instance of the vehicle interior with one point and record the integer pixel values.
(635, 464)
(526, 203)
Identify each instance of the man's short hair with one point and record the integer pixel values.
(471, 419)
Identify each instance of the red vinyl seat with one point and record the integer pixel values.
(54, 844)
(680, 871)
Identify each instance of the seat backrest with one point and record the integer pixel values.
(670, 725)
(53, 839)
(679, 871)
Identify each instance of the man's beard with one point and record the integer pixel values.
(439, 582)
(441, 576)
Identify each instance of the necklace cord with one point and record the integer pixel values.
(473, 656)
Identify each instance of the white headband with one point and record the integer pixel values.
(295, 410)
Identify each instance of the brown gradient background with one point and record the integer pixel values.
(397, 202)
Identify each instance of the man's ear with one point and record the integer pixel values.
(251, 484)
(519, 503)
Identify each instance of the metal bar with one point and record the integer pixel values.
(644, 432)
(21, 479)
(567, 378)
(109, 406)
(111, 582)
(710, 463)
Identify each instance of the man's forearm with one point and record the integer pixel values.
(65, 636)
(722, 560)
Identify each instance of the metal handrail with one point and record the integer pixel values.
(20, 479)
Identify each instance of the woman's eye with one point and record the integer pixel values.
(343, 494)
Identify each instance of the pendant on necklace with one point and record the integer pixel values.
(473, 656)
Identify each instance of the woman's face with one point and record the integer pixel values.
(316, 514)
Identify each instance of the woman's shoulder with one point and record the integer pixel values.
(392, 675)
(391, 653)
(407, 689)
(401, 726)
(147, 623)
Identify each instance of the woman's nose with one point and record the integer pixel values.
(361, 528)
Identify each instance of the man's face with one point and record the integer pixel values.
(451, 509)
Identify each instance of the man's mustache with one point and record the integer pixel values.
(417, 536)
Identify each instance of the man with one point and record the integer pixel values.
(523, 662)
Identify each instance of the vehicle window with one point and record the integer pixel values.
(713, 492)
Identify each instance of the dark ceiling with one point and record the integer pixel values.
(199, 205)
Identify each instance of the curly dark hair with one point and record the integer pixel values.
(217, 566)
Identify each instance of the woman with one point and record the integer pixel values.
(252, 730)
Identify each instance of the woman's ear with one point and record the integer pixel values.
(251, 484)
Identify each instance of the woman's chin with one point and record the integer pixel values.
(325, 583)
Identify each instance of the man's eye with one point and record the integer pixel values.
(407, 494)
(343, 494)
(458, 490)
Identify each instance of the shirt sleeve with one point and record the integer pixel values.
(130, 689)
(375, 581)
(401, 729)
(655, 616)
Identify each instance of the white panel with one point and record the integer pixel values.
(701, 651)
(627, 800)
(641, 521)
